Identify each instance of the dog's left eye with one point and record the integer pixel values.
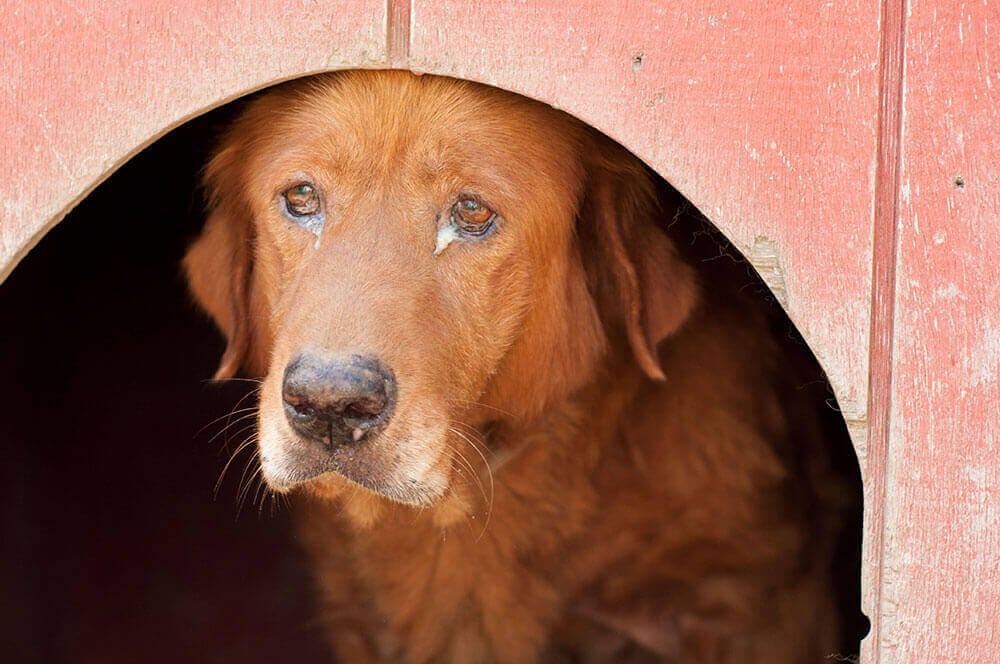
(301, 200)
(472, 216)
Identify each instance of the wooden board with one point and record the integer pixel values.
(87, 84)
(940, 598)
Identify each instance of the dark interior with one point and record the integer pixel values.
(115, 547)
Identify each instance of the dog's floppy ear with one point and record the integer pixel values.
(219, 264)
(634, 270)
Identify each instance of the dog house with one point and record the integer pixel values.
(849, 150)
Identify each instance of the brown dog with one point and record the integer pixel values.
(519, 427)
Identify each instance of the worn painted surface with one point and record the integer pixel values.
(780, 120)
(86, 84)
(941, 559)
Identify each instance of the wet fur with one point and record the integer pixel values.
(609, 466)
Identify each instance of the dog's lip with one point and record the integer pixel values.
(350, 463)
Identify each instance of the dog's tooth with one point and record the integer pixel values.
(356, 434)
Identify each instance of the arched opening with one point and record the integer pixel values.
(109, 481)
(114, 547)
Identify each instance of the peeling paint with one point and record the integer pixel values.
(766, 259)
(984, 358)
(857, 430)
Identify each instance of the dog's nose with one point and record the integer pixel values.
(337, 400)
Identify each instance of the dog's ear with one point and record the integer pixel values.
(634, 270)
(219, 264)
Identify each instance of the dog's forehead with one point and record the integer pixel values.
(427, 138)
(438, 122)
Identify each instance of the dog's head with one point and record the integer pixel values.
(406, 257)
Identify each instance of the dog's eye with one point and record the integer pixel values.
(472, 217)
(301, 200)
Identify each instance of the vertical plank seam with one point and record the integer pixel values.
(885, 250)
(397, 36)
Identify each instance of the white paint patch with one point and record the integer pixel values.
(939, 237)
(984, 357)
(949, 292)
(983, 513)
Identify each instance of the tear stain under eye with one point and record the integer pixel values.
(445, 235)
(317, 230)
(313, 225)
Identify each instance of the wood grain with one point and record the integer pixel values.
(887, 199)
(87, 84)
(941, 567)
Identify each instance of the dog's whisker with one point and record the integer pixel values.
(479, 404)
(276, 501)
(255, 381)
(456, 456)
(246, 482)
(254, 478)
(238, 433)
(227, 429)
(489, 471)
(249, 442)
(223, 417)
(260, 495)
(482, 451)
(471, 468)
(252, 393)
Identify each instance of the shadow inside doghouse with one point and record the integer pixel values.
(114, 548)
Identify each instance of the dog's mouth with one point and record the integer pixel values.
(405, 464)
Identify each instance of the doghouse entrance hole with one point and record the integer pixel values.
(114, 549)
(109, 518)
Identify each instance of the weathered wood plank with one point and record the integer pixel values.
(887, 178)
(941, 577)
(87, 84)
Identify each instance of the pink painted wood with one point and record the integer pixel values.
(87, 84)
(780, 120)
(941, 561)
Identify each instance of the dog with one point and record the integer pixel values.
(517, 425)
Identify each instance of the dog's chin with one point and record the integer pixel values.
(417, 479)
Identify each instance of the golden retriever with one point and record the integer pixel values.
(517, 425)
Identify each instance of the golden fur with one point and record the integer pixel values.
(588, 460)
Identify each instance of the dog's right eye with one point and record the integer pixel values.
(472, 216)
(301, 200)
